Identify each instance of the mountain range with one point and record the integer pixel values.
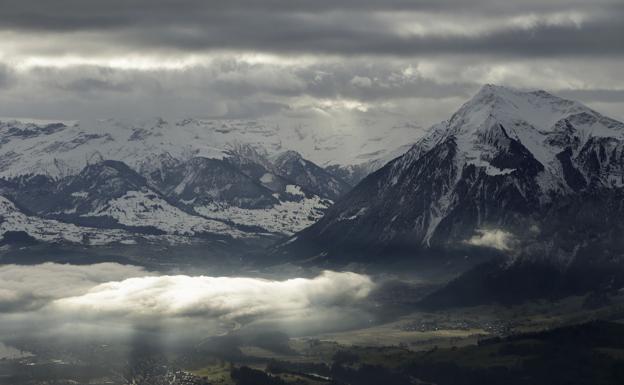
(172, 182)
(538, 178)
(526, 175)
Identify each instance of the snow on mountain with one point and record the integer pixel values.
(257, 167)
(506, 159)
(175, 200)
(543, 123)
(14, 220)
(285, 217)
(354, 173)
(61, 148)
(141, 208)
(109, 195)
(203, 180)
(245, 189)
(194, 165)
(292, 166)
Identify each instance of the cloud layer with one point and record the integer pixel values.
(30, 288)
(228, 298)
(110, 296)
(301, 62)
(395, 27)
(493, 238)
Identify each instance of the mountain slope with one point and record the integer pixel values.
(352, 174)
(292, 166)
(241, 193)
(155, 176)
(506, 161)
(13, 221)
(108, 194)
(204, 180)
(257, 167)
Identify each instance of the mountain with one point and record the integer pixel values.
(60, 148)
(258, 201)
(197, 198)
(223, 177)
(178, 200)
(353, 174)
(17, 225)
(529, 173)
(256, 166)
(186, 179)
(292, 166)
(110, 195)
(204, 180)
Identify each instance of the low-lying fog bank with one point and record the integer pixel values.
(108, 300)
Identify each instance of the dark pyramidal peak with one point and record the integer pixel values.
(203, 180)
(293, 166)
(508, 168)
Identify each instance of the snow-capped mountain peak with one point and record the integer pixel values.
(504, 159)
(543, 124)
(529, 111)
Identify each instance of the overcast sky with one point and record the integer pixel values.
(356, 60)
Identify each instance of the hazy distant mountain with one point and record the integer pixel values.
(58, 148)
(354, 173)
(526, 171)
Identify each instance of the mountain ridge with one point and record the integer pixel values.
(487, 167)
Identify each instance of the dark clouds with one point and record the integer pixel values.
(94, 14)
(222, 89)
(346, 36)
(402, 60)
(401, 91)
(363, 27)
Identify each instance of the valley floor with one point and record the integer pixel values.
(476, 345)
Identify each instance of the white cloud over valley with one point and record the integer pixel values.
(120, 297)
(493, 238)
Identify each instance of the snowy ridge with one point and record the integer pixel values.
(65, 147)
(162, 176)
(535, 119)
(12, 219)
(506, 159)
(541, 122)
(482, 128)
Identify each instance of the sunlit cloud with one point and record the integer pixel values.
(496, 239)
(24, 288)
(231, 298)
(112, 298)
